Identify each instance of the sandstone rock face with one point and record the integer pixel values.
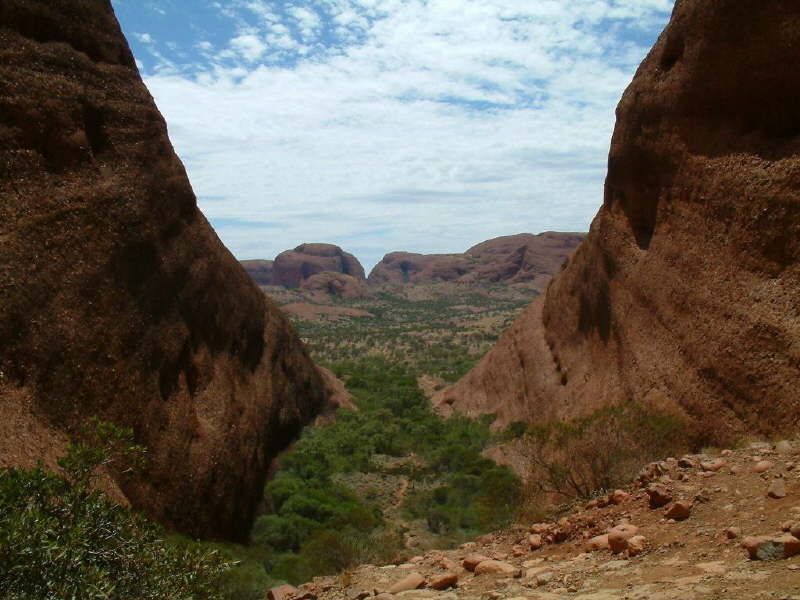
(336, 284)
(509, 259)
(685, 296)
(293, 267)
(524, 257)
(260, 271)
(409, 267)
(117, 299)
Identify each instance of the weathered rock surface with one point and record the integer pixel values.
(509, 259)
(337, 397)
(685, 296)
(117, 299)
(335, 284)
(293, 267)
(259, 270)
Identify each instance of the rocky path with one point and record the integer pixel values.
(715, 526)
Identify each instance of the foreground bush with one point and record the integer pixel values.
(60, 538)
(599, 452)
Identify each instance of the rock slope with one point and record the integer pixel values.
(715, 532)
(117, 299)
(293, 267)
(685, 296)
(522, 258)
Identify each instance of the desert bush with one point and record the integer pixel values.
(61, 538)
(599, 452)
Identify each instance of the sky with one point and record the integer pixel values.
(384, 125)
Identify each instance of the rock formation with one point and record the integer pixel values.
(260, 271)
(117, 299)
(522, 258)
(293, 267)
(685, 296)
(410, 267)
(335, 284)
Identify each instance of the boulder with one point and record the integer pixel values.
(473, 560)
(496, 567)
(762, 466)
(636, 545)
(282, 592)
(444, 581)
(777, 489)
(733, 532)
(771, 548)
(713, 465)
(618, 537)
(618, 497)
(658, 495)
(599, 542)
(535, 541)
(117, 299)
(412, 581)
(679, 510)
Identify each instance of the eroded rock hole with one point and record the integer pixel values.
(673, 52)
(94, 125)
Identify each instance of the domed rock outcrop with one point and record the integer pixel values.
(293, 267)
(260, 271)
(409, 267)
(522, 258)
(685, 295)
(117, 300)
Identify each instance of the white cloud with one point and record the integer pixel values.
(428, 125)
(249, 46)
(145, 38)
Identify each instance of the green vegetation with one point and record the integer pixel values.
(440, 330)
(59, 538)
(379, 484)
(318, 525)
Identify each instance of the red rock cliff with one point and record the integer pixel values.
(116, 297)
(686, 293)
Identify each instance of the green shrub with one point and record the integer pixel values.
(60, 538)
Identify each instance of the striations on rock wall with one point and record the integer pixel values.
(686, 293)
(116, 297)
(293, 267)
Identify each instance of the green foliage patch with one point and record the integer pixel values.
(61, 538)
(319, 526)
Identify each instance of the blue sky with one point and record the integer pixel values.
(382, 125)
